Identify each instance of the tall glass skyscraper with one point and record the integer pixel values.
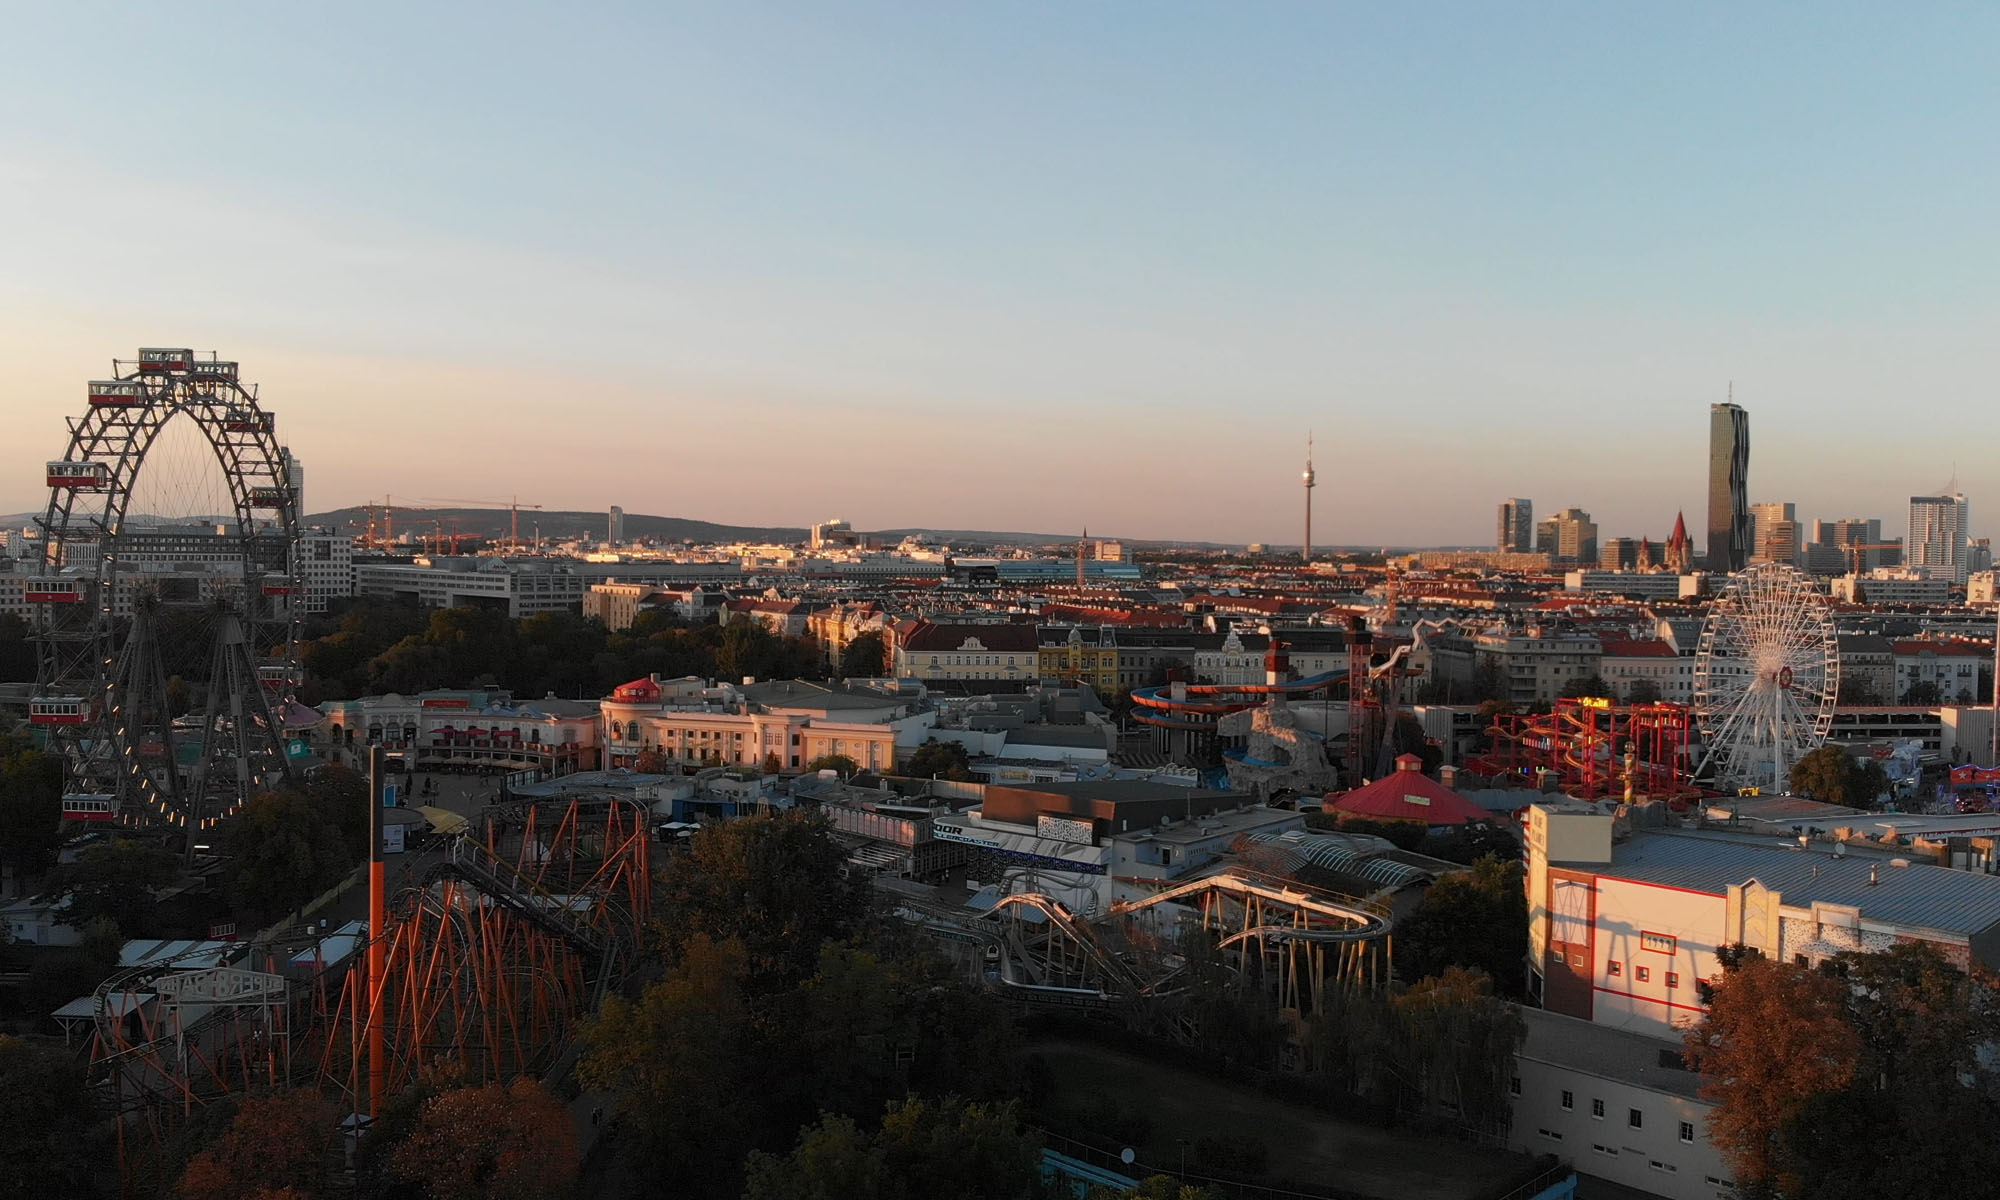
(1517, 526)
(1728, 487)
(1938, 535)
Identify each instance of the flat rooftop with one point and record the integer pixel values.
(1920, 895)
(1615, 1054)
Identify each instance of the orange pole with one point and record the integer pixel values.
(378, 922)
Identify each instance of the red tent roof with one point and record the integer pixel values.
(1407, 794)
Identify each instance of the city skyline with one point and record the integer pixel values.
(928, 251)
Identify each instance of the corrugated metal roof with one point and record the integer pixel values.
(1338, 854)
(1920, 895)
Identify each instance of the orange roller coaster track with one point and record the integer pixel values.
(1594, 749)
(490, 959)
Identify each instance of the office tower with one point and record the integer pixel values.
(1728, 487)
(295, 472)
(1938, 535)
(1545, 537)
(1575, 536)
(1774, 533)
(615, 533)
(1619, 554)
(1517, 526)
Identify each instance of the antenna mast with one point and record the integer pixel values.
(1306, 549)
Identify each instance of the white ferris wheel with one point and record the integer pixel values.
(1766, 678)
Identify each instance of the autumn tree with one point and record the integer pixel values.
(1923, 1077)
(1775, 1035)
(277, 1142)
(497, 1142)
(45, 1111)
(652, 762)
(1476, 919)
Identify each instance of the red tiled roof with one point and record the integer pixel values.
(1918, 646)
(1621, 648)
(1407, 794)
(924, 636)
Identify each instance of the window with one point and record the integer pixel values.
(1635, 1119)
(1673, 979)
(1658, 943)
(1687, 1132)
(1604, 1150)
(1642, 974)
(1551, 1135)
(1514, 1086)
(1569, 1101)
(1597, 1109)
(1614, 968)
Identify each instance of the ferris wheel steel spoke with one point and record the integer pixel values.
(1766, 676)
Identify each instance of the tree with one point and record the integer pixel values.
(1923, 692)
(1831, 774)
(1460, 1041)
(1469, 843)
(777, 883)
(339, 795)
(282, 852)
(772, 764)
(1923, 1078)
(497, 1142)
(865, 656)
(45, 1111)
(1475, 919)
(1774, 1037)
(652, 762)
(1587, 685)
(1856, 689)
(840, 764)
(939, 760)
(30, 807)
(277, 1142)
(1410, 738)
(924, 1148)
(117, 881)
(676, 1060)
(1642, 691)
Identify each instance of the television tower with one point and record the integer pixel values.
(1306, 551)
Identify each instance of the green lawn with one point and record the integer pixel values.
(1305, 1144)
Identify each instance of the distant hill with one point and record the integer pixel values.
(590, 526)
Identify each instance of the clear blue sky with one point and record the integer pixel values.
(1025, 266)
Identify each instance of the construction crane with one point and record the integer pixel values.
(1855, 549)
(512, 504)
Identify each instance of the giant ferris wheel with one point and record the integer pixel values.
(1766, 678)
(165, 614)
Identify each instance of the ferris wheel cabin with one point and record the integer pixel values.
(270, 497)
(277, 585)
(281, 679)
(219, 371)
(117, 393)
(58, 710)
(54, 591)
(158, 361)
(83, 476)
(89, 806)
(245, 421)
